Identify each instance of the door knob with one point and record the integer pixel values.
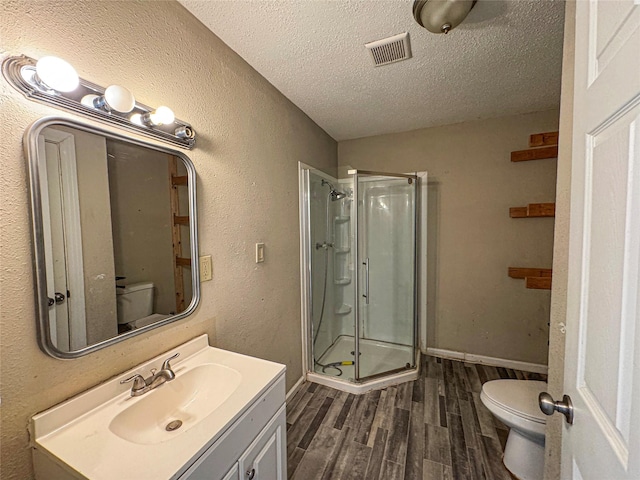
(59, 298)
(548, 406)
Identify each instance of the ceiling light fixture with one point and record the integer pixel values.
(51, 75)
(441, 16)
(115, 97)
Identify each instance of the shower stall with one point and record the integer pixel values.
(360, 276)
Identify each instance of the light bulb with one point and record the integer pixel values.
(137, 119)
(119, 99)
(56, 74)
(162, 116)
(115, 98)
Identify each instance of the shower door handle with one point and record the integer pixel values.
(366, 281)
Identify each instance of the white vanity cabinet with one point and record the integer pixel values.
(231, 410)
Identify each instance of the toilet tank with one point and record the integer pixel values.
(134, 301)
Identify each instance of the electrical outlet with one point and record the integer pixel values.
(259, 252)
(206, 268)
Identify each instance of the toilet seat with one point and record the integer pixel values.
(517, 397)
(148, 320)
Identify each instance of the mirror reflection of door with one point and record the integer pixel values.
(63, 241)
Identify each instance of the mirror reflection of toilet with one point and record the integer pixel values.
(135, 305)
(515, 403)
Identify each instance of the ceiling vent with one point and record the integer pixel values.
(390, 50)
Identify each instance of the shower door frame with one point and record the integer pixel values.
(306, 293)
(308, 373)
(416, 260)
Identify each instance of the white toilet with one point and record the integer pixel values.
(135, 305)
(515, 403)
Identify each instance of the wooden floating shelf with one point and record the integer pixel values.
(534, 210)
(182, 180)
(519, 272)
(183, 262)
(539, 283)
(534, 154)
(543, 139)
(181, 220)
(536, 278)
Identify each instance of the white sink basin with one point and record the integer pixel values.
(105, 433)
(188, 398)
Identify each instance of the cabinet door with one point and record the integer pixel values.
(266, 458)
(234, 473)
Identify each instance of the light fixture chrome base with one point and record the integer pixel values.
(18, 70)
(441, 16)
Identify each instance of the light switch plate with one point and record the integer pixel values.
(259, 252)
(206, 268)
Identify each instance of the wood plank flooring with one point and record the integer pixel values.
(435, 428)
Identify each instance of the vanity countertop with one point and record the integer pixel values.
(86, 433)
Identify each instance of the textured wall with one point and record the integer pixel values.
(472, 305)
(561, 249)
(142, 221)
(250, 140)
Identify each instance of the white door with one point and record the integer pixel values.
(62, 239)
(55, 252)
(602, 368)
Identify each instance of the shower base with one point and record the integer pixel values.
(375, 357)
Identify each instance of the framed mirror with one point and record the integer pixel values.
(114, 235)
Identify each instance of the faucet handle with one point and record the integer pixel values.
(138, 381)
(166, 365)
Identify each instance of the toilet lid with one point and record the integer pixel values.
(148, 320)
(519, 397)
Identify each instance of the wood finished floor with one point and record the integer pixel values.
(435, 428)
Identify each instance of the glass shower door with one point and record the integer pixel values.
(385, 283)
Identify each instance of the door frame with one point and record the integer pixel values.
(73, 236)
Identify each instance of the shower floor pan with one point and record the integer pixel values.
(375, 357)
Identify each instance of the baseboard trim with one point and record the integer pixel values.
(293, 390)
(484, 360)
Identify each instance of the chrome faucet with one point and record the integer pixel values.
(142, 385)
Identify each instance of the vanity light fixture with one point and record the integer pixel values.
(51, 75)
(115, 98)
(160, 116)
(54, 82)
(184, 132)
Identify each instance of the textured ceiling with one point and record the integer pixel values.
(504, 59)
